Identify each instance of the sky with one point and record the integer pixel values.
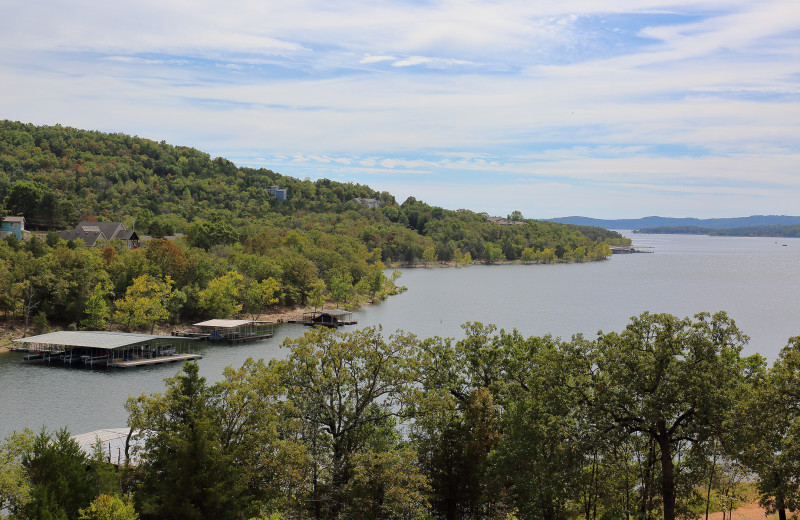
(606, 109)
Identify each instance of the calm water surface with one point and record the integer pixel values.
(755, 280)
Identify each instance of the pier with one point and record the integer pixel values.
(231, 331)
(627, 250)
(327, 318)
(109, 349)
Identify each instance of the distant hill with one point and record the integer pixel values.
(792, 231)
(666, 222)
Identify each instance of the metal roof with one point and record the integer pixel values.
(225, 324)
(92, 338)
(112, 442)
(331, 312)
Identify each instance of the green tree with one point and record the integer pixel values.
(221, 298)
(184, 450)
(97, 309)
(316, 296)
(341, 387)
(340, 286)
(429, 255)
(206, 234)
(671, 380)
(387, 484)
(768, 420)
(528, 255)
(109, 507)
(375, 279)
(492, 253)
(60, 475)
(24, 198)
(258, 296)
(145, 302)
(516, 216)
(299, 275)
(15, 487)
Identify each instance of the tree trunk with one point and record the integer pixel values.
(710, 483)
(780, 503)
(667, 473)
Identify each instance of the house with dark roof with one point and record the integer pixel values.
(13, 226)
(93, 232)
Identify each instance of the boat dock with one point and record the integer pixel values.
(231, 331)
(327, 318)
(109, 349)
(627, 250)
(156, 361)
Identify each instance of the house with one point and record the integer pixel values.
(13, 226)
(370, 203)
(278, 192)
(92, 232)
(504, 222)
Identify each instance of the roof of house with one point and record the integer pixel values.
(89, 237)
(109, 229)
(92, 339)
(14, 219)
(127, 234)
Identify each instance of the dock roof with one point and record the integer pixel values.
(331, 312)
(92, 339)
(225, 324)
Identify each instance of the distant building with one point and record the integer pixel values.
(92, 232)
(278, 192)
(504, 222)
(13, 226)
(370, 203)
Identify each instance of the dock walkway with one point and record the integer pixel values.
(155, 361)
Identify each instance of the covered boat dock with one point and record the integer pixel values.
(329, 318)
(99, 348)
(232, 331)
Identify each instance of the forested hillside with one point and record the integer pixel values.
(243, 249)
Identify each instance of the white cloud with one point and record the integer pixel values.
(579, 96)
(376, 59)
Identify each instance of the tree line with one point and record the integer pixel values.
(49, 280)
(662, 420)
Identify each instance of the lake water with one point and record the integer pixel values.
(755, 280)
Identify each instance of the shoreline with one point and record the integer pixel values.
(10, 332)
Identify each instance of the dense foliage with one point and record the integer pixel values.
(661, 420)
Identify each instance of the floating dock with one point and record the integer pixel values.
(627, 250)
(327, 318)
(231, 331)
(110, 349)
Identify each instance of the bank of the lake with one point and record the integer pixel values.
(755, 280)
